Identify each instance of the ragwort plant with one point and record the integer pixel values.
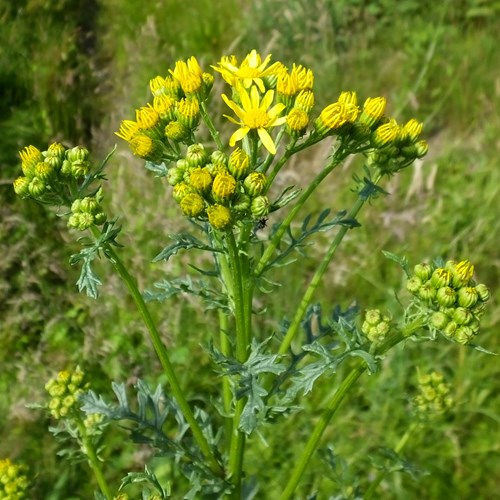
(224, 187)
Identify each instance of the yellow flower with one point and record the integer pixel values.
(164, 105)
(251, 71)
(189, 75)
(255, 115)
(334, 116)
(386, 133)
(373, 109)
(297, 121)
(147, 117)
(141, 145)
(128, 129)
(219, 217)
(305, 77)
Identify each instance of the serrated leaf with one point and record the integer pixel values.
(183, 241)
(160, 169)
(402, 261)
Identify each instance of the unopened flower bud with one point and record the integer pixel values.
(175, 175)
(385, 134)
(423, 271)
(413, 285)
(176, 131)
(188, 112)
(181, 190)
(446, 296)
(219, 157)
(412, 130)
(36, 187)
(373, 110)
(422, 148)
(467, 296)
(450, 329)
(192, 205)
(219, 217)
(483, 292)
(255, 183)
(260, 207)
(439, 320)
(241, 203)
(78, 153)
(373, 317)
(427, 292)
(21, 186)
(463, 335)
(296, 122)
(196, 155)
(223, 187)
(441, 277)
(465, 270)
(200, 179)
(462, 316)
(239, 163)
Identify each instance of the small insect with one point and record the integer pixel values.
(260, 224)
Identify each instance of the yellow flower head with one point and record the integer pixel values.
(297, 121)
(157, 85)
(147, 117)
(141, 145)
(335, 115)
(128, 130)
(188, 112)
(305, 100)
(373, 109)
(386, 134)
(164, 105)
(251, 71)
(254, 114)
(189, 75)
(219, 217)
(305, 77)
(30, 156)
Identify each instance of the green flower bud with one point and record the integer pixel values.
(219, 217)
(241, 203)
(200, 179)
(175, 175)
(462, 316)
(44, 170)
(450, 329)
(483, 292)
(427, 292)
(255, 183)
(467, 296)
(55, 150)
(441, 277)
(260, 207)
(446, 296)
(66, 167)
(181, 190)
(188, 112)
(196, 155)
(423, 271)
(373, 317)
(99, 218)
(89, 205)
(223, 187)
(36, 187)
(463, 334)
(239, 163)
(218, 157)
(192, 205)
(413, 285)
(80, 168)
(373, 109)
(386, 134)
(176, 131)
(439, 320)
(422, 148)
(77, 154)
(21, 186)
(216, 168)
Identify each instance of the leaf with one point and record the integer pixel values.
(160, 169)
(148, 477)
(402, 261)
(183, 241)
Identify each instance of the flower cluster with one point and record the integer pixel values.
(45, 172)
(13, 481)
(454, 301)
(64, 391)
(85, 212)
(217, 187)
(227, 185)
(433, 397)
(376, 325)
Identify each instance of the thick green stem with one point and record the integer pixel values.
(318, 275)
(398, 448)
(94, 462)
(162, 354)
(241, 312)
(335, 402)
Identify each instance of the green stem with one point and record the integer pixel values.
(210, 124)
(339, 156)
(382, 474)
(237, 446)
(162, 354)
(318, 275)
(335, 402)
(94, 462)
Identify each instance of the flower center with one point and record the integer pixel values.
(256, 118)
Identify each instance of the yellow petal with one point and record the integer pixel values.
(267, 140)
(238, 135)
(268, 99)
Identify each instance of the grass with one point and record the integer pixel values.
(434, 62)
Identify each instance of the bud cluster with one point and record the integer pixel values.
(434, 395)
(86, 212)
(376, 325)
(218, 188)
(64, 391)
(13, 481)
(455, 302)
(45, 171)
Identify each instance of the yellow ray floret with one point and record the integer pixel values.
(254, 114)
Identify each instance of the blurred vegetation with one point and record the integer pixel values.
(70, 70)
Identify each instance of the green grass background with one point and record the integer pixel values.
(71, 70)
